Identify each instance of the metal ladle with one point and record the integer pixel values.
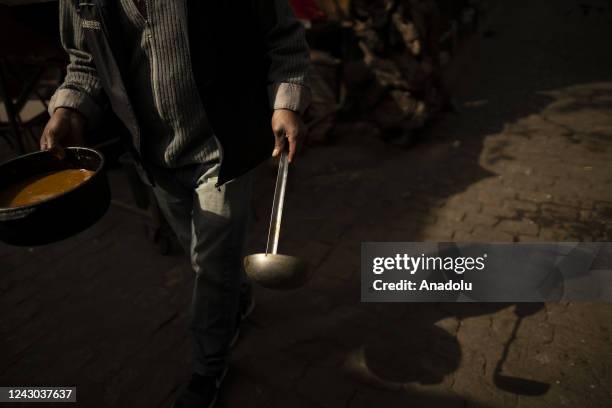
(272, 270)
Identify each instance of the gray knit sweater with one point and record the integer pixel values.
(160, 82)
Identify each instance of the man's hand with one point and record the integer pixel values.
(287, 124)
(65, 128)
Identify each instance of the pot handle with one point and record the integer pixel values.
(15, 213)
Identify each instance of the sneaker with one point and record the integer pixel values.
(201, 392)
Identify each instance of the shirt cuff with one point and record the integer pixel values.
(77, 100)
(285, 95)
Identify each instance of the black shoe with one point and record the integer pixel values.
(201, 392)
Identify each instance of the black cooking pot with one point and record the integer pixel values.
(61, 216)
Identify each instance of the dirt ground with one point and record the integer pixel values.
(528, 157)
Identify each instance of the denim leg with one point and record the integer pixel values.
(175, 201)
(220, 217)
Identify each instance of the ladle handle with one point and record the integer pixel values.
(277, 204)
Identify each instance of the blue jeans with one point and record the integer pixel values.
(210, 223)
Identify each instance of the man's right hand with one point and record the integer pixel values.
(65, 128)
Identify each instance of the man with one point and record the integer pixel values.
(207, 90)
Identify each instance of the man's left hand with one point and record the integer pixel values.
(288, 125)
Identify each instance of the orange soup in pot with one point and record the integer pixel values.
(41, 187)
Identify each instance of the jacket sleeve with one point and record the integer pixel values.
(289, 57)
(82, 88)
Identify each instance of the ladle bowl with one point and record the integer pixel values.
(275, 271)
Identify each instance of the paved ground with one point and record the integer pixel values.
(528, 158)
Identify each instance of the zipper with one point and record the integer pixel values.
(153, 61)
(146, 11)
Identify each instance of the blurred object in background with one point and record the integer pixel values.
(335, 9)
(383, 60)
(327, 42)
(325, 83)
(32, 62)
(307, 10)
